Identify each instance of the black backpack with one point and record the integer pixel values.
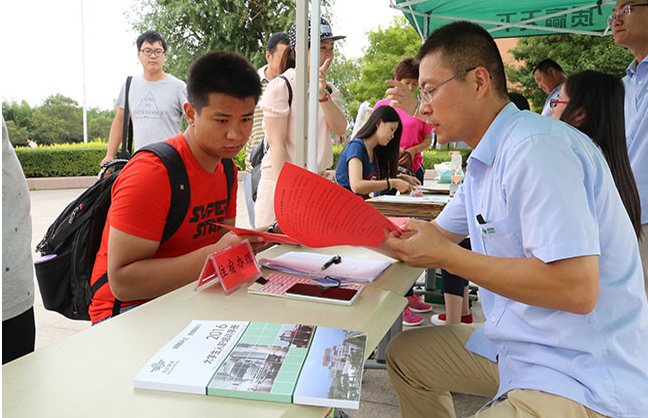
(71, 243)
(257, 154)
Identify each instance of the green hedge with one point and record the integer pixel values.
(70, 160)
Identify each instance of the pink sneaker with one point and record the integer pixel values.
(440, 319)
(411, 319)
(415, 304)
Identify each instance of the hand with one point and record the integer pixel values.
(402, 185)
(405, 158)
(322, 79)
(411, 180)
(401, 97)
(230, 238)
(425, 246)
(105, 160)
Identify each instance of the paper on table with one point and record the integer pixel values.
(269, 237)
(320, 213)
(310, 264)
(409, 199)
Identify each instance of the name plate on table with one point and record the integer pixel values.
(232, 267)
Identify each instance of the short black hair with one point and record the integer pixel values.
(151, 37)
(519, 100)
(547, 63)
(465, 45)
(223, 72)
(276, 39)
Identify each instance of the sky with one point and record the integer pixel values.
(42, 46)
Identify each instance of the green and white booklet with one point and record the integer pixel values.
(290, 363)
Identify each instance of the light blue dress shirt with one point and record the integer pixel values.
(546, 110)
(636, 122)
(544, 190)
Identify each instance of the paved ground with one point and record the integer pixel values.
(378, 396)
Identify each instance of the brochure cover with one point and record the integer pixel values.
(291, 363)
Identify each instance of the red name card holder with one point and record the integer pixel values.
(232, 267)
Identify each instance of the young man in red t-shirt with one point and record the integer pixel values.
(222, 90)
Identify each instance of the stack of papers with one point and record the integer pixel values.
(310, 264)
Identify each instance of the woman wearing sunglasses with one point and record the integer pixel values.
(592, 102)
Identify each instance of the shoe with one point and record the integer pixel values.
(440, 319)
(411, 319)
(415, 304)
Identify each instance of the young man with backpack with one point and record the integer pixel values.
(156, 99)
(223, 89)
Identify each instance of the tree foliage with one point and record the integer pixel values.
(193, 28)
(58, 120)
(574, 53)
(366, 76)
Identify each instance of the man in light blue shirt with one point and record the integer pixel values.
(550, 77)
(630, 29)
(553, 251)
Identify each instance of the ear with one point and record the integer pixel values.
(268, 56)
(190, 113)
(482, 81)
(580, 117)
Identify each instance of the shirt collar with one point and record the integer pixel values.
(487, 147)
(634, 65)
(262, 76)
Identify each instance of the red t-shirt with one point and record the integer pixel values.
(141, 198)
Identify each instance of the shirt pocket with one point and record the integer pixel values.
(499, 239)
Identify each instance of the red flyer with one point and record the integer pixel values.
(232, 267)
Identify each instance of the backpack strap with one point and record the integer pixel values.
(127, 128)
(228, 166)
(179, 180)
(290, 93)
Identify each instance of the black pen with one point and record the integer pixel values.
(336, 259)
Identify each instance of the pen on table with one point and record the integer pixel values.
(336, 259)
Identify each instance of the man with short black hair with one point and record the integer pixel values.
(550, 77)
(554, 255)
(155, 99)
(277, 46)
(629, 22)
(223, 89)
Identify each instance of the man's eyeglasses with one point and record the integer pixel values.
(623, 13)
(425, 96)
(553, 102)
(148, 52)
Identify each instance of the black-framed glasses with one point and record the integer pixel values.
(623, 13)
(148, 52)
(425, 96)
(555, 102)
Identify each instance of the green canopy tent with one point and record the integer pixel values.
(510, 18)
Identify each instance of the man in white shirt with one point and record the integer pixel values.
(550, 78)
(155, 101)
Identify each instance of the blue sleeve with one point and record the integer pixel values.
(549, 196)
(354, 149)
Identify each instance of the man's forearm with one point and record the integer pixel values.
(334, 117)
(569, 285)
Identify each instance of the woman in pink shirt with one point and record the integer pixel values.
(416, 136)
(279, 118)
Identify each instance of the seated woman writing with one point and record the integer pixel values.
(369, 163)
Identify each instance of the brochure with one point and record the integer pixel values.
(293, 363)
